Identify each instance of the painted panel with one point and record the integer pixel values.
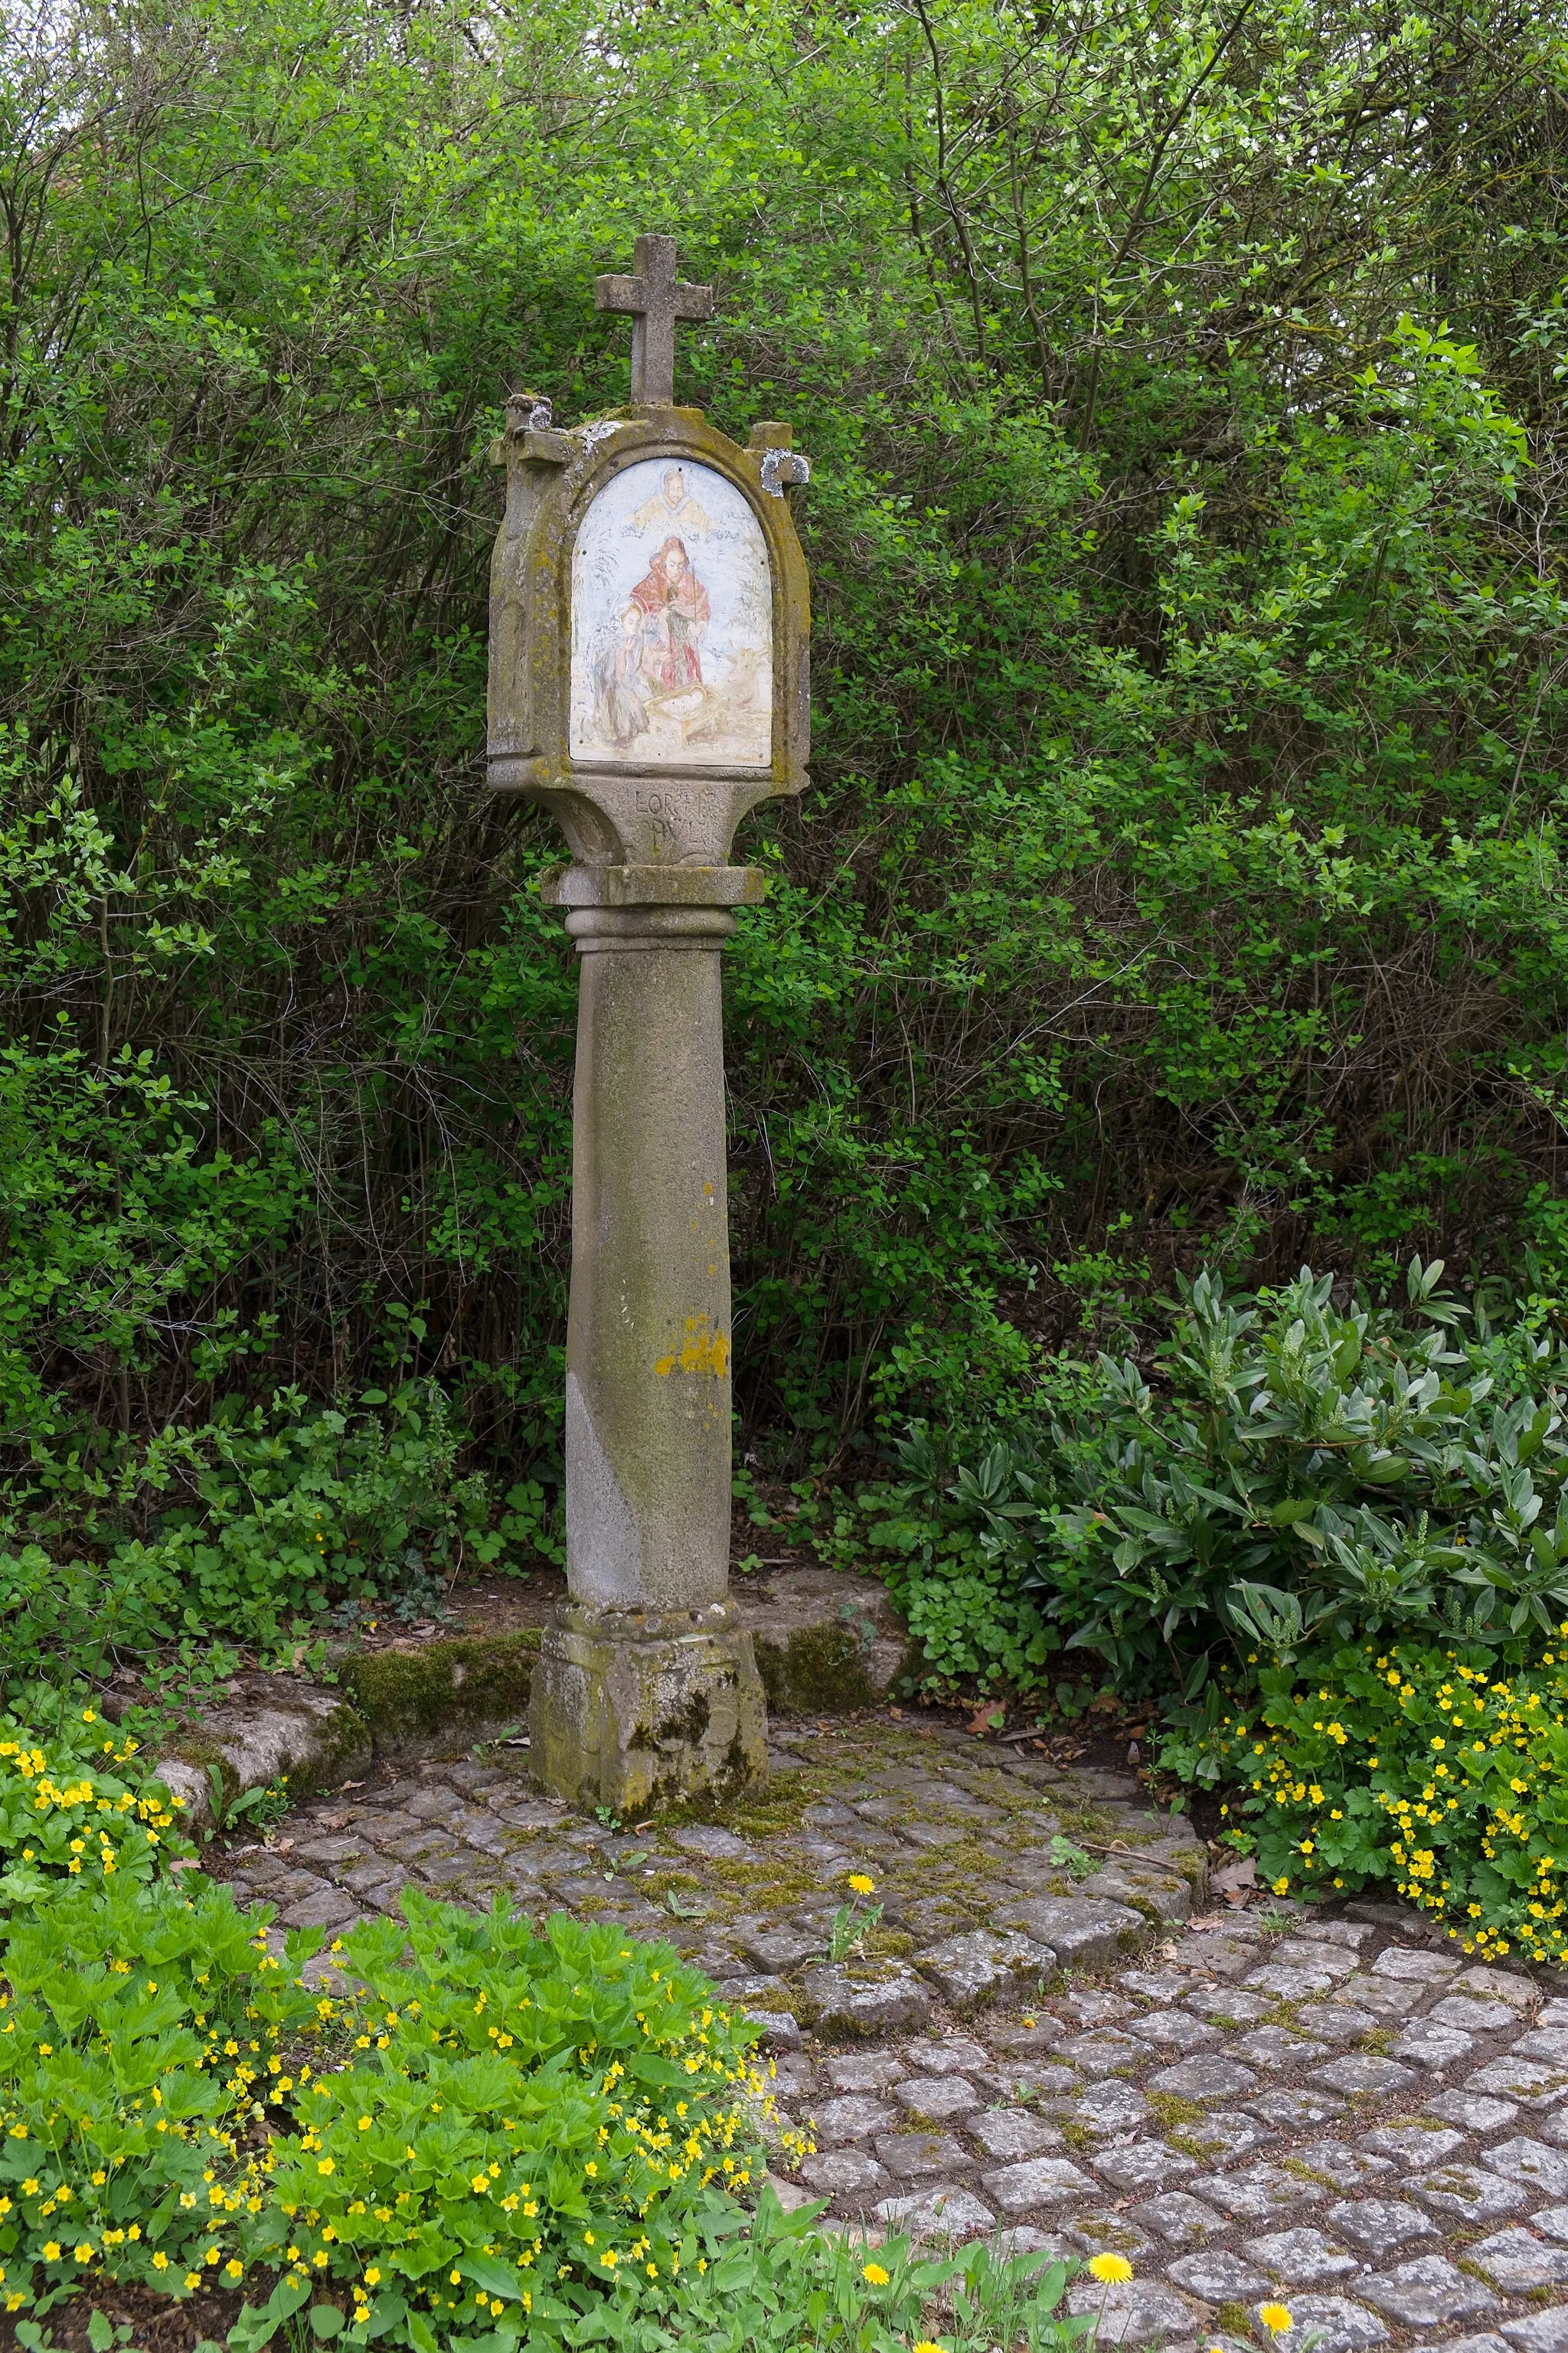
(671, 623)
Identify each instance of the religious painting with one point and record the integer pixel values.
(671, 623)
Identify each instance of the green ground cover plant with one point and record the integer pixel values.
(1430, 1770)
(465, 2134)
(523, 2123)
(472, 2143)
(140, 2021)
(260, 1528)
(785, 2288)
(74, 1804)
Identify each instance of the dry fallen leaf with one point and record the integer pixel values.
(1236, 1881)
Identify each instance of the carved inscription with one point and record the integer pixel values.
(680, 817)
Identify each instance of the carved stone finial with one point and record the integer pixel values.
(530, 412)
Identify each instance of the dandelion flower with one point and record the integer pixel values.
(1276, 2318)
(1112, 2269)
(861, 1882)
(876, 2275)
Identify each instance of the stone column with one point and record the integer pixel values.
(646, 1690)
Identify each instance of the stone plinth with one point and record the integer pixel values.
(634, 1709)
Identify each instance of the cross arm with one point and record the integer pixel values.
(618, 290)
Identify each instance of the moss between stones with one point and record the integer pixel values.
(820, 1670)
(1170, 2111)
(462, 1683)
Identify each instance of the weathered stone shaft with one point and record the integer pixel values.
(647, 1689)
(648, 1343)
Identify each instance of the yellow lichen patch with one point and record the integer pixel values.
(701, 1351)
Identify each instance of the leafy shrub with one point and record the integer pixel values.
(255, 1526)
(526, 2126)
(1318, 1467)
(69, 1807)
(1291, 1468)
(951, 1555)
(1420, 1767)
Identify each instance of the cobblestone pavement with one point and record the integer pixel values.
(1322, 2112)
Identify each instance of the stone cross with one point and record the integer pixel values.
(656, 301)
(649, 685)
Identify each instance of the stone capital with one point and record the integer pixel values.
(654, 886)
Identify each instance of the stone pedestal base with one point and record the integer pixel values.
(637, 1709)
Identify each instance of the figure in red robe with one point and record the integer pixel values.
(676, 608)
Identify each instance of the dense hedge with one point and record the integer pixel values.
(1184, 394)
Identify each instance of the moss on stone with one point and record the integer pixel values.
(325, 1746)
(820, 1670)
(463, 1682)
(199, 1749)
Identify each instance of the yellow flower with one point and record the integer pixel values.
(926, 2346)
(876, 2275)
(861, 1883)
(1276, 2318)
(1112, 2269)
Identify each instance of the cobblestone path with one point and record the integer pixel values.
(1322, 2112)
